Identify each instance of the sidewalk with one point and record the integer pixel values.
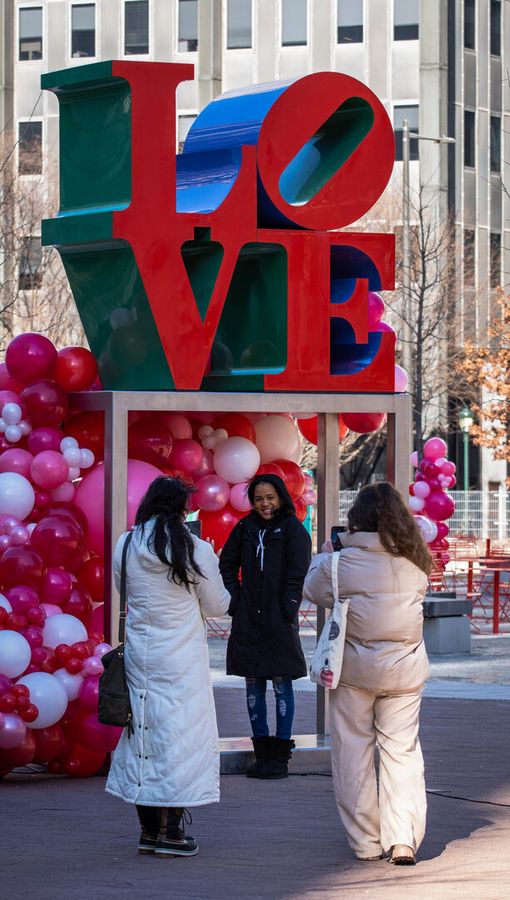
(67, 840)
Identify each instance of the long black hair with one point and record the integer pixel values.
(165, 501)
(287, 507)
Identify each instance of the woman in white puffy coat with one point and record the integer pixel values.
(382, 568)
(171, 762)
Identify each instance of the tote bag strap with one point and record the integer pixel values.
(122, 592)
(334, 574)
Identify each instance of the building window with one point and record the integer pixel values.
(469, 138)
(495, 148)
(30, 148)
(30, 267)
(294, 25)
(83, 30)
(350, 22)
(469, 257)
(406, 16)
(496, 27)
(411, 113)
(469, 24)
(238, 24)
(188, 25)
(495, 259)
(136, 27)
(30, 33)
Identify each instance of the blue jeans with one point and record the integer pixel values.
(257, 708)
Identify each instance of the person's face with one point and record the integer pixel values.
(266, 500)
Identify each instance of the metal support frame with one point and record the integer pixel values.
(117, 404)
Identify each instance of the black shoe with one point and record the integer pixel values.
(147, 842)
(172, 840)
(262, 747)
(277, 765)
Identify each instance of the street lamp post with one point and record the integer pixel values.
(465, 422)
(406, 239)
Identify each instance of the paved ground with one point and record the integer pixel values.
(282, 840)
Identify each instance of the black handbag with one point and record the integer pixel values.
(114, 704)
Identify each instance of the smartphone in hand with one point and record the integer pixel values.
(336, 533)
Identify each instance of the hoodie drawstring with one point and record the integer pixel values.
(261, 548)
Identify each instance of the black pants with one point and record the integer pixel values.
(156, 819)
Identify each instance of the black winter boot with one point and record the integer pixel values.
(149, 817)
(262, 747)
(172, 840)
(277, 764)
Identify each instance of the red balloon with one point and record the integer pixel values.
(81, 762)
(45, 403)
(30, 713)
(21, 755)
(363, 423)
(270, 469)
(88, 731)
(217, 525)
(96, 623)
(8, 702)
(50, 663)
(150, 440)
(57, 540)
(236, 425)
(88, 429)
(438, 506)
(91, 577)
(79, 604)
(309, 428)
(74, 665)
(301, 509)
(293, 477)
(56, 586)
(76, 369)
(63, 653)
(20, 565)
(16, 622)
(29, 357)
(49, 743)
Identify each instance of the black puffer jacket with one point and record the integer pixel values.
(263, 565)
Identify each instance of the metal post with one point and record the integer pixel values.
(406, 257)
(495, 607)
(398, 445)
(115, 502)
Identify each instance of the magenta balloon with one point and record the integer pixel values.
(97, 620)
(56, 586)
(13, 731)
(89, 498)
(206, 466)
(48, 470)
(16, 460)
(5, 684)
(30, 357)
(7, 383)
(186, 456)
(212, 493)
(440, 506)
(383, 326)
(376, 308)
(434, 449)
(22, 598)
(45, 403)
(57, 540)
(34, 636)
(44, 439)
(89, 691)
(448, 468)
(92, 735)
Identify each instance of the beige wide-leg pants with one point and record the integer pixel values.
(360, 721)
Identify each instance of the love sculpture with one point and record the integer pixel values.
(223, 268)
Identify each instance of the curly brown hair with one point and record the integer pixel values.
(379, 507)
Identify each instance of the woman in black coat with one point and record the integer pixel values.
(263, 565)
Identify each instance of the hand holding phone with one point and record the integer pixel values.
(336, 532)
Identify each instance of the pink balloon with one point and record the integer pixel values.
(64, 492)
(13, 731)
(30, 357)
(206, 466)
(401, 380)
(186, 455)
(89, 691)
(48, 469)
(442, 530)
(93, 666)
(101, 649)
(421, 489)
(44, 438)
(89, 498)
(376, 309)
(239, 497)
(309, 497)
(448, 468)
(434, 448)
(178, 424)
(416, 504)
(19, 536)
(427, 527)
(45, 403)
(51, 609)
(16, 460)
(212, 493)
(92, 735)
(440, 506)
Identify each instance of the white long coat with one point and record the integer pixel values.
(172, 759)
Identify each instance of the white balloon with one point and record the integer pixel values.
(16, 495)
(63, 629)
(416, 504)
(209, 442)
(15, 653)
(427, 527)
(4, 603)
(72, 456)
(3, 426)
(25, 426)
(11, 413)
(220, 435)
(51, 609)
(67, 443)
(64, 492)
(236, 459)
(205, 430)
(74, 473)
(49, 695)
(70, 683)
(86, 458)
(13, 434)
(277, 438)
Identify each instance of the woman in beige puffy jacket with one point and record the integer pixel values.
(382, 568)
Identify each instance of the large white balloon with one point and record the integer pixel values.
(49, 695)
(15, 653)
(427, 527)
(16, 495)
(236, 459)
(277, 438)
(70, 683)
(4, 603)
(63, 629)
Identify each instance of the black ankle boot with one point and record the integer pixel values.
(277, 765)
(149, 817)
(172, 840)
(262, 747)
